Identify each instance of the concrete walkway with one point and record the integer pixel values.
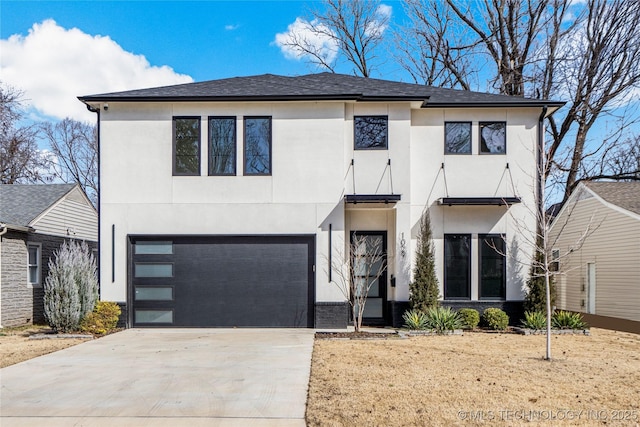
(165, 377)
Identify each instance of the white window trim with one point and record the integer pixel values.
(39, 265)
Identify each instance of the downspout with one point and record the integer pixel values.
(540, 159)
(3, 232)
(97, 111)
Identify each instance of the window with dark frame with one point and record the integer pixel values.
(257, 145)
(492, 266)
(457, 266)
(222, 146)
(371, 132)
(457, 137)
(493, 137)
(186, 146)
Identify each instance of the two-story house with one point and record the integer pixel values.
(223, 203)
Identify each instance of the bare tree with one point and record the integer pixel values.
(20, 159)
(600, 68)
(358, 271)
(75, 149)
(351, 30)
(589, 55)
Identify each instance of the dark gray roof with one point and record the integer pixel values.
(623, 194)
(22, 203)
(322, 86)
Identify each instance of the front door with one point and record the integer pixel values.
(369, 258)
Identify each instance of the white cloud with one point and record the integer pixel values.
(231, 27)
(302, 32)
(54, 65)
(381, 23)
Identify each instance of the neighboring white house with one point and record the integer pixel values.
(596, 238)
(224, 202)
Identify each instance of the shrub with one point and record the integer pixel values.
(534, 320)
(495, 319)
(568, 320)
(102, 319)
(442, 319)
(415, 319)
(470, 317)
(424, 287)
(71, 288)
(536, 295)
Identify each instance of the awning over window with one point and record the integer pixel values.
(372, 198)
(478, 201)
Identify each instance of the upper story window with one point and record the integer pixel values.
(34, 266)
(222, 145)
(457, 138)
(493, 137)
(257, 145)
(186, 145)
(371, 132)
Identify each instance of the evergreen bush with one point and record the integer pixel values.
(71, 288)
(495, 319)
(442, 319)
(470, 317)
(424, 288)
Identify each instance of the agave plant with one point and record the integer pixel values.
(534, 320)
(442, 319)
(568, 320)
(415, 319)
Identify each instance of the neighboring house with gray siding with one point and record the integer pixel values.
(34, 221)
(601, 274)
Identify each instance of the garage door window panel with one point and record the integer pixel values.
(154, 316)
(154, 293)
(155, 270)
(153, 248)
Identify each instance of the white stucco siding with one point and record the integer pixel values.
(435, 174)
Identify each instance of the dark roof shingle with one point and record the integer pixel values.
(22, 203)
(322, 86)
(623, 194)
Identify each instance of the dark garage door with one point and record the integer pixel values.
(222, 281)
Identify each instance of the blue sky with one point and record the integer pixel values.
(57, 50)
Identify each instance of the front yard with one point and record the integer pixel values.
(477, 379)
(16, 347)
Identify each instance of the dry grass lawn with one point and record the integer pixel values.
(16, 347)
(477, 379)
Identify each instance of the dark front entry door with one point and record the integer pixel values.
(369, 260)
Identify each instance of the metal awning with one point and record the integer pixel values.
(372, 198)
(478, 201)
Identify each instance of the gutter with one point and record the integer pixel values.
(7, 227)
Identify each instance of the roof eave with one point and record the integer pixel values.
(552, 105)
(278, 98)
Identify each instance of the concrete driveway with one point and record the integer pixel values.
(165, 377)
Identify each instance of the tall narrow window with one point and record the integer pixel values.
(492, 266)
(457, 266)
(222, 145)
(257, 145)
(186, 145)
(370, 132)
(33, 263)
